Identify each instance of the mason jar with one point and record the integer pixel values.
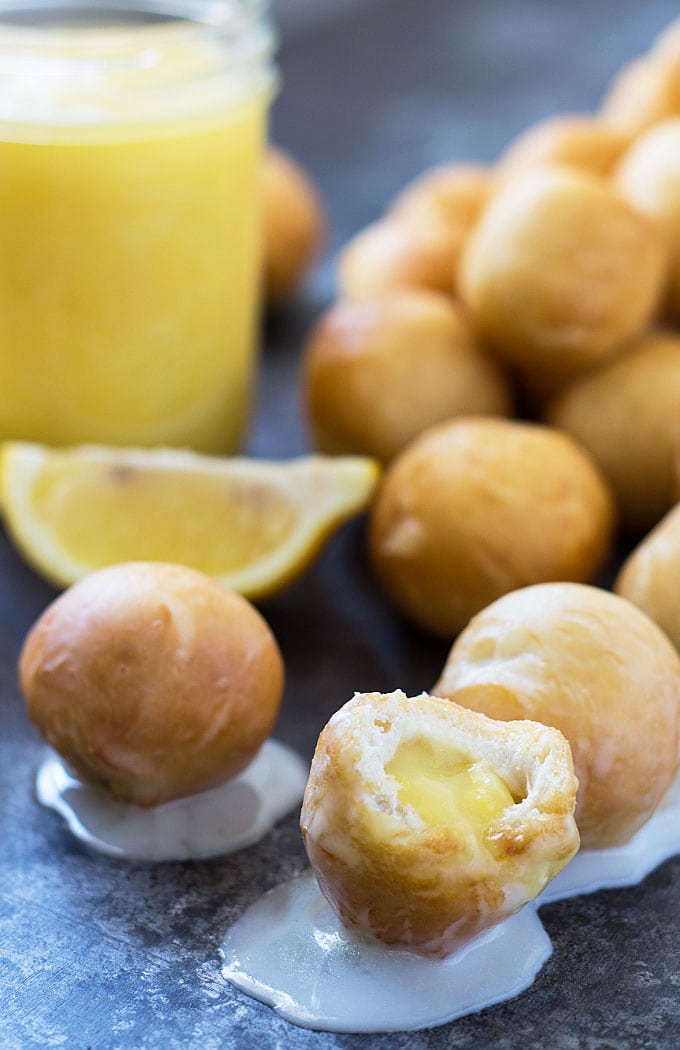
(131, 140)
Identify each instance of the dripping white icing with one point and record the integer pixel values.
(594, 869)
(227, 818)
(289, 950)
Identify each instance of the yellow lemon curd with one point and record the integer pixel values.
(129, 239)
(448, 789)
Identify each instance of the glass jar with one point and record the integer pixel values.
(131, 137)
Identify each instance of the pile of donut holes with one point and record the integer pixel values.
(505, 341)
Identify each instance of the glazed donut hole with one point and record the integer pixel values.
(580, 141)
(294, 225)
(561, 271)
(668, 40)
(649, 177)
(591, 664)
(626, 414)
(477, 507)
(417, 243)
(397, 252)
(413, 811)
(649, 576)
(380, 370)
(458, 192)
(644, 92)
(152, 681)
(452, 195)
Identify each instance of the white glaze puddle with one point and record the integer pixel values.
(597, 869)
(225, 819)
(289, 950)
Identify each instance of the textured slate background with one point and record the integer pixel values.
(104, 955)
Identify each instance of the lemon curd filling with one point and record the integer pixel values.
(447, 788)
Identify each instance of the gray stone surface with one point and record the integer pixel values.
(102, 955)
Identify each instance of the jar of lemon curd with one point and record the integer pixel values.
(131, 137)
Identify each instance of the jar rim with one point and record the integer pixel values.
(42, 22)
(79, 63)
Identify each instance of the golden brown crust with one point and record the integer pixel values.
(294, 224)
(644, 92)
(418, 243)
(388, 873)
(397, 252)
(478, 507)
(668, 40)
(560, 271)
(380, 370)
(649, 576)
(580, 141)
(451, 195)
(591, 664)
(649, 177)
(626, 414)
(457, 192)
(153, 680)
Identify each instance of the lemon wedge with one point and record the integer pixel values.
(254, 525)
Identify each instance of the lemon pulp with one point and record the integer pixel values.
(143, 515)
(252, 524)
